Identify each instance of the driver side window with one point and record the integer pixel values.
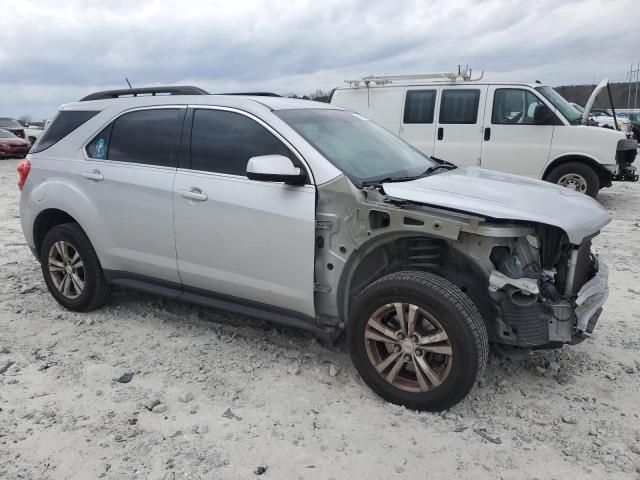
(514, 107)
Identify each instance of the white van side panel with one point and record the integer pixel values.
(382, 105)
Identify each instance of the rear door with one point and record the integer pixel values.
(246, 239)
(418, 118)
(129, 174)
(459, 125)
(512, 141)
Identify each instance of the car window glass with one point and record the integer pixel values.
(223, 142)
(514, 107)
(459, 106)
(62, 125)
(419, 106)
(150, 137)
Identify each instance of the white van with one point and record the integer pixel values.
(521, 128)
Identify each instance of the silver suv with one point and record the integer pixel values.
(311, 216)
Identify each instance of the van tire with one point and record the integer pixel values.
(567, 174)
(453, 313)
(95, 287)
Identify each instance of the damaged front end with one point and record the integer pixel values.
(546, 292)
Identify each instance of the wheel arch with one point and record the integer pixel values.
(45, 221)
(393, 250)
(603, 174)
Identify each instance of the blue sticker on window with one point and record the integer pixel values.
(101, 149)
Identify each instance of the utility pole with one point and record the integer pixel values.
(629, 94)
(635, 95)
(634, 77)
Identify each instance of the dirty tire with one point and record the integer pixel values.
(96, 288)
(581, 169)
(455, 312)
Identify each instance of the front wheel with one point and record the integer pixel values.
(417, 340)
(576, 176)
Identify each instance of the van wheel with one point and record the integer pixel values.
(417, 340)
(577, 176)
(71, 269)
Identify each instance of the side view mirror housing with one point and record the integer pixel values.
(543, 115)
(275, 168)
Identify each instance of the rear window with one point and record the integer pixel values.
(61, 126)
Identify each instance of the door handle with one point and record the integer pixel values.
(193, 193)
(487, 134)
(440, 133)
(94, 175)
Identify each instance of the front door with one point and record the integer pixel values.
(247, 239)
(513, 142)
(459, 126)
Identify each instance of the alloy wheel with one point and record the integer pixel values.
(66, 269)
(408, 347)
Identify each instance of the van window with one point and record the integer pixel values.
(150, 137)
(459, 106)
(514, 107)
(223, 142)
(63, 124)
(419, 106)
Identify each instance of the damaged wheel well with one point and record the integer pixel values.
(412, 253)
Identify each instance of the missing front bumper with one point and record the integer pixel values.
(591, 297)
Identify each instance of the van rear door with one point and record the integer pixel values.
(418, 118)
(459, 124)
(512, 141)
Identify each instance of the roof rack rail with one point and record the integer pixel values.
(146, 91)
(252, 94)
(464, 75)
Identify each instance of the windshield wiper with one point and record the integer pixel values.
(443, 165)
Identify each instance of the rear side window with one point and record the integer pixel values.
(459, 106)
(65, 122)
(223, 142)
(149, 137)
(419, 106)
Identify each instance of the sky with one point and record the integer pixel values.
(55, 52)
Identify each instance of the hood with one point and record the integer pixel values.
(506, 197)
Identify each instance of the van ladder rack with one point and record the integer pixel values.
(145, 91)
(464, 75)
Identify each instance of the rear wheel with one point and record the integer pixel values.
(576, 176)
(71, 269)
(417, 340)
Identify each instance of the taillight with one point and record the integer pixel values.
(24, 167)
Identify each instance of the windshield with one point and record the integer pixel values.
(565, 108)
(6, 134)
(364, 151)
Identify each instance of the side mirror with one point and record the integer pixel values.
(543, 115)
(275, 168)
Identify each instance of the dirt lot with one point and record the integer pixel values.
(236, 394)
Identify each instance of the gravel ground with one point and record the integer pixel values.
(215, 395)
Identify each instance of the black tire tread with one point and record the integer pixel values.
(455, 297)
(102, 286)
(592, 177)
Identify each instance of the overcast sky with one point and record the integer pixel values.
(56, 52)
